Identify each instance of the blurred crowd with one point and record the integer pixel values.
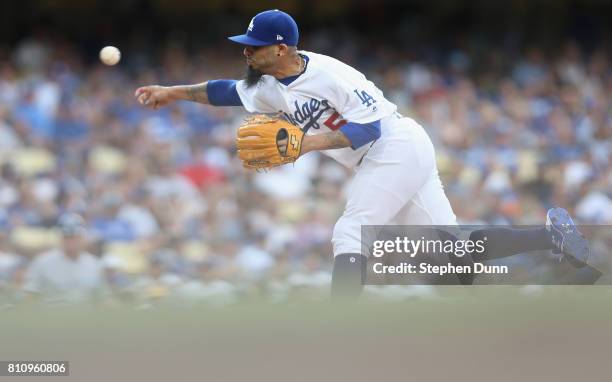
(171, 213)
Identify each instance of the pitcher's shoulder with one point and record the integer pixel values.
(324, 63)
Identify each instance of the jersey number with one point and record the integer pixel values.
(332, 123)
(365, 98)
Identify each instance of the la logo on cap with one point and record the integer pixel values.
(250, 28)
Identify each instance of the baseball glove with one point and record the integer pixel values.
(264, 142)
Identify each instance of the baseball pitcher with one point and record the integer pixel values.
(306, 102)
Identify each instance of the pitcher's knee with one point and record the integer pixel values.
(346, 237)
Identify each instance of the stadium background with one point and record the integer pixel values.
(515, 95)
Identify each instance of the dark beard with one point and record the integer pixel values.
(252, 76)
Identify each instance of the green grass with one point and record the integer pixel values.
(462, 324)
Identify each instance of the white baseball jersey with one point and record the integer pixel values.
(397, 181)
(322, 99)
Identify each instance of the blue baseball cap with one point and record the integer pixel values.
(270, 28)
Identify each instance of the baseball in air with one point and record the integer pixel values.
(110, 55)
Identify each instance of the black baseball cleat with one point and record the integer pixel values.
(566, 238)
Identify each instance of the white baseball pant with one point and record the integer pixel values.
(397, 183)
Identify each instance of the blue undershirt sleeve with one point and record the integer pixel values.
(223, 93)
(361, 133)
